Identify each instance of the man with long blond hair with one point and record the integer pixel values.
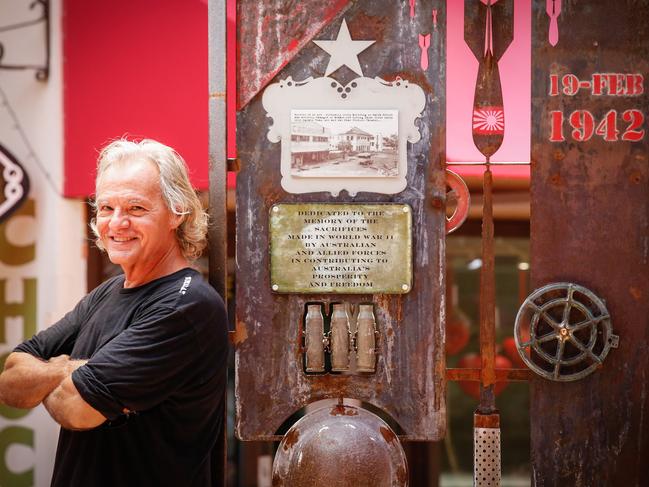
(135, 374)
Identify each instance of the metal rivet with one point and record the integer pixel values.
(437, 202)
(275, 287)
(404, 287)
(406, 209)
(275, 209)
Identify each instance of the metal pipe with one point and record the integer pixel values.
(486, 420)
(218, 230)
(487, 300)
(475, 375)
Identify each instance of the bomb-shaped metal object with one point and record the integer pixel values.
(314, 339)
(366, 339)
(339, 341)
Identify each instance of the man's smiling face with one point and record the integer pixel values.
(134, 224)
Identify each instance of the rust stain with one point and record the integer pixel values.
(415, 77)
(371, 27)
(437, 202)
(635, 292)
(635, 177)
(387, 434)
(240, 333)
(398, 311)
(291, 439)
(341, 410)
(402, 476)
(486, 420)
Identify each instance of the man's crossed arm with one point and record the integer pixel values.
(27, 381)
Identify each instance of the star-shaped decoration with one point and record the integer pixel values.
(344, 51)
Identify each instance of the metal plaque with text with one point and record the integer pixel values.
(341, 248)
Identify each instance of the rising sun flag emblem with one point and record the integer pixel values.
(489, 121)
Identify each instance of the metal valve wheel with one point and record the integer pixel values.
(563, 332)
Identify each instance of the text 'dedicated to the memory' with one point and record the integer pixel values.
(341, 248)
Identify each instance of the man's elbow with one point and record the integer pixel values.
(74, 420)
(68, 408)
(77, 423)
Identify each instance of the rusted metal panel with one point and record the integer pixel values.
(409, 381)
(270, 34)
(590, 225)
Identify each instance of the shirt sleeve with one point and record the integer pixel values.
(141, 366)
(59, 338)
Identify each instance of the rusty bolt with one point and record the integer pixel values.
(437, 202)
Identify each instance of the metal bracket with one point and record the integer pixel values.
(43, 71)
(458, 194)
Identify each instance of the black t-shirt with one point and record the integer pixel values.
(159, 351)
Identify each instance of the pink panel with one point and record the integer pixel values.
(515, 76)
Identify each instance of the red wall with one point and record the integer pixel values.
(137, 68)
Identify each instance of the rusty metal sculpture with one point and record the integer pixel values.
(406, 380)
(488, 32)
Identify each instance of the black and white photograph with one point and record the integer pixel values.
(344, 143)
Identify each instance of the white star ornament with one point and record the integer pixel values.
(344, 51)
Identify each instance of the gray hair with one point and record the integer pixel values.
(177, 191)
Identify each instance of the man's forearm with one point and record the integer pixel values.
(27, 380)
(70, 410)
